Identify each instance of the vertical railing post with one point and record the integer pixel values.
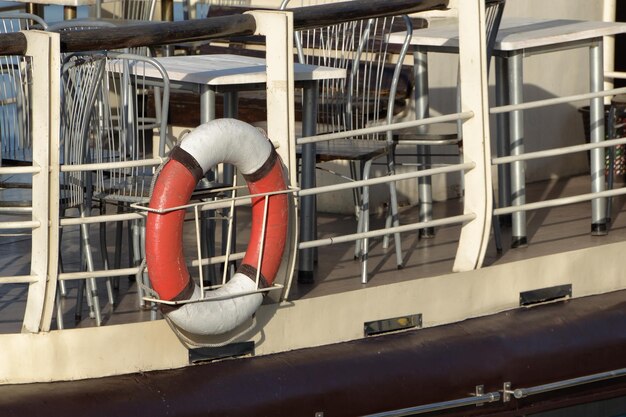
(478, 188)
(44, 50)
(277, 27)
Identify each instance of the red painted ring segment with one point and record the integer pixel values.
(167, 269)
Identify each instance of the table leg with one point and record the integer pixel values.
(35, 8)
(308, 208)
(596, 120)
(167, 10)
(516, 142)
(207, 104)
(69, 12)
(503, 147)
(424, 184)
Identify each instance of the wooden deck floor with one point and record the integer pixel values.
(549, 231)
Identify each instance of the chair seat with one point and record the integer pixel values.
(434, 134)
(348, 149)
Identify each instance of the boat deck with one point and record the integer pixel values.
(550, 231)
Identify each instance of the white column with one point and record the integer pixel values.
(44, 49)
(478, 192)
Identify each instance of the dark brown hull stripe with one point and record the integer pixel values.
(528, 347)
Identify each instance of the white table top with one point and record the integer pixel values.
(233, 70)
(520, 33)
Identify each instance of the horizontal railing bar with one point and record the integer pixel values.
(208, 205)
(112, 165)
(311, 17)
(27, 224)
(67, 276)
(246, 200)
(388, 178)
(17, 209)
(387, 231)
(19, 279)
(216, 260)
(568, 383)
(557, 152)
(555, 101)
(154, 34)
(205, 205)
(75, 221)
(13, 44)
(230, 296)
(162, 33)
(20, 170)
(615, 74)
(315, 16)
(444, 405)
(559, 201)
(386, 128)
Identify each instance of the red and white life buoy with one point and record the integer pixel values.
(219, 141)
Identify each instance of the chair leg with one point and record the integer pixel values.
(611, 174)
(117, 256)
(136, 245)
(62, 286)
(92, 289)
(393, 218)
(365, 215)
(104, 253)
(207, 237)
(495, 224)
(59, 310)
(395, 221)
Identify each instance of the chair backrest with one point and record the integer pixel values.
(15, 82)
(82, 76)
(133, 104)
(493, 17)
(369, 94)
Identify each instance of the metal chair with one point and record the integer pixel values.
(367, 97)
(131, 106)
(445, 134)
(16, 129)
(82, 76)
(15, 115)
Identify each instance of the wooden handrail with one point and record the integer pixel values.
(162, 33)
(311, 17)
(12, 44)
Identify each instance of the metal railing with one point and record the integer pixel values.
(474, 220)
(606, 143)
